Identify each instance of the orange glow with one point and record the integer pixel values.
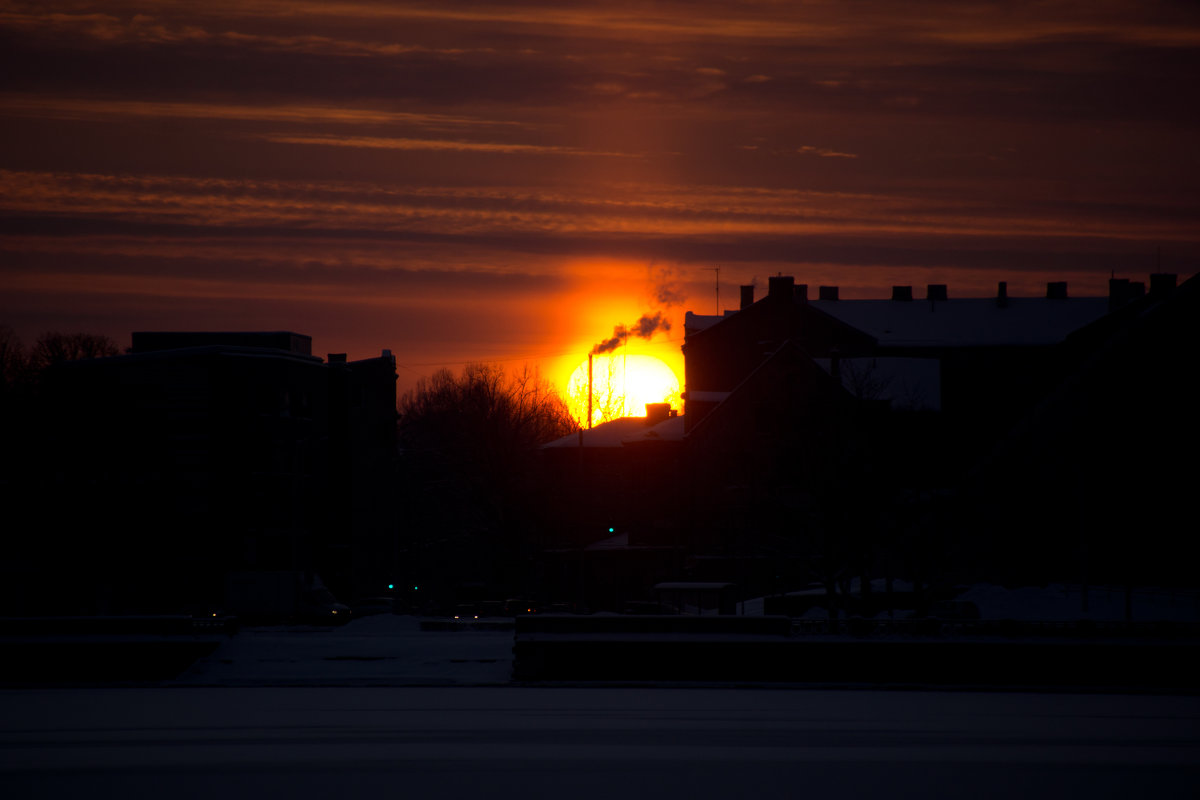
(622, 385)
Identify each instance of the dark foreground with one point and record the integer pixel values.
(593, 743)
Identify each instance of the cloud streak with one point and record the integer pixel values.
(384, 143)
(76, 108)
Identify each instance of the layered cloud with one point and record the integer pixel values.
(222, 207)
(389, 153)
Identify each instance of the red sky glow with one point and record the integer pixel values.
(507, 181)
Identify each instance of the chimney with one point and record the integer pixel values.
(936, 291)
(1118, 292)
(1056, 290)
(1122, 291)
(747, 296)
(781, 286)
(1002, 294)
(902, 293)
(801, 292)
(827, 293)
(1161, 284)
(657, 412)
(336, 358)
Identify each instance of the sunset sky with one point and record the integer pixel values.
(496, 181)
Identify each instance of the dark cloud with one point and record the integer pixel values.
(345, 276)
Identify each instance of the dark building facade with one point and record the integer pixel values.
(199, 455)
(866, 433)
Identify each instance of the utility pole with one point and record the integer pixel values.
(718, 281)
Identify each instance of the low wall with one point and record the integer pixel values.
(90, 650)
(737, 649)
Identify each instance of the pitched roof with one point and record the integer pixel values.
(960, 322)
(967, 322)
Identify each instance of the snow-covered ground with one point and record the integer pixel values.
(576, 743)
(392, 650)
(380, 649)
(382, 708)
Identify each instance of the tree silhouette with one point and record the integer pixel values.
(13, 361)
(483, 412)
(468, 443)
(54, 347)
(607, 403)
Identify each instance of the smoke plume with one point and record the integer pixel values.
(668, 284)
(644, 328)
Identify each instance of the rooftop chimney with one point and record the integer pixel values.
(747, 296)
(936, 291)
(1002, 294)
(1056, 290)
(903, 293)
(827, 293)
(1119, 293)
(801, 292)
(780, 286)
(657, 412)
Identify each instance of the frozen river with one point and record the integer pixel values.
(334, 742)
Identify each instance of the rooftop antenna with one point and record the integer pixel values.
(718, 281)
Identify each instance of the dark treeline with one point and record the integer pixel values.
(31, 489)
(471, 494)
(22, 367)
(22, 373)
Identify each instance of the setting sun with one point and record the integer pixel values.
(622, 385)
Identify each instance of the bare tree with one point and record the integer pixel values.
(54, 347)
(469, 442)
(13, 360)
(607, 401)
(864, 380)
(484, 405)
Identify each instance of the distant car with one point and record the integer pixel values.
(318, 607)
(515, 607)
(466, 611)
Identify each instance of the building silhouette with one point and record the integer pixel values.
(935, 439)
(196, 456)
